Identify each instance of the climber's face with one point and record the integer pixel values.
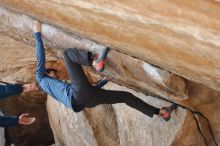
(53, 74)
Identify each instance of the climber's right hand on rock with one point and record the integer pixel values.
(25, 119)
(37, 26)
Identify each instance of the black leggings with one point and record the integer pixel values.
(89, 96)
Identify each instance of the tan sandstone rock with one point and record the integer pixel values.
(180, 36)
(172, 40)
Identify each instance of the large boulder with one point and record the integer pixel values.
(180, 36)
(115, 125)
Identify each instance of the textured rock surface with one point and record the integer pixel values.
(76, 132)
(180, 36)
(134, 127)
(104, 121)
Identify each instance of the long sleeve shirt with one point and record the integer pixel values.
(58, 89)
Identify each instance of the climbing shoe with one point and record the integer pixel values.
(167, 111)
(99, 61)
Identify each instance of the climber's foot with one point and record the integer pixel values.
(165, 112)
(99, 60)
(37, 26)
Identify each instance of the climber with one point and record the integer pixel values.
(7, 90)
(80, 94)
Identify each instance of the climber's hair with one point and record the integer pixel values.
(49, 70)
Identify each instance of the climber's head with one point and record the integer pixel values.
(52, 72)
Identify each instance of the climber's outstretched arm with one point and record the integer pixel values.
(40, 52)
